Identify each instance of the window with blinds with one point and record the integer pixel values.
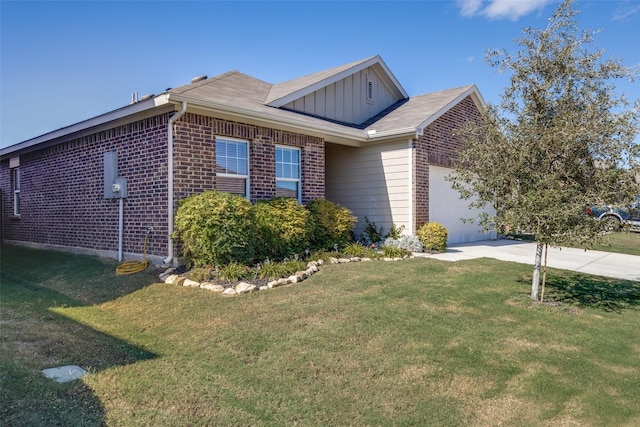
(232, 166)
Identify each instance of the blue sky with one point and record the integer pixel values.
(63, 62)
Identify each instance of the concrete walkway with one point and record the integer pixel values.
(619, 266)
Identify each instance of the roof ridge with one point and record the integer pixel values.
(308, 80)
(191, 86)
(465, 87)
(345, 66)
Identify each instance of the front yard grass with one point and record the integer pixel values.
(623, 242)
(415, 342)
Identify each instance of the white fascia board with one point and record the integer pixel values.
(351, 137)
(337, 77)
(84, 125)
(475, 96)
(395, 81)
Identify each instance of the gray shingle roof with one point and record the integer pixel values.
(247, 95)
(417, 110)
(236, 89)
(233, 87)
(280, 90)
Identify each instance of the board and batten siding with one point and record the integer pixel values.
(346, 99)
(373, 181)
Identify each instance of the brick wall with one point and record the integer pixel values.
(62, 199)
(62, 191)
(194, 156)
(437, 146)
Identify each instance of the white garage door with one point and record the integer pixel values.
(446, 207)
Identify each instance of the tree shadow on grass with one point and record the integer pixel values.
(612, 295)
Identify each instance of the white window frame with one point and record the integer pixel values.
(234, 175)
(298, 180)
(15, 183)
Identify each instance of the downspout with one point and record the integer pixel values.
(410, 168)
(172, 120)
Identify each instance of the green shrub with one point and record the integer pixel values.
(215, 228)
(201, 274)
(359, 250)
(276, 270)
(290, 267)
(371, 232)
(321, 255)
(282, 228)
(394, 251)
(270, 270)
(433, 237)
(409, 243)
(331, 223)
(233, 272)
(395, 232)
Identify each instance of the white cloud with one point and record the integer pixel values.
(469, 7)
(623, 12)
(501, 9)
(470, 59)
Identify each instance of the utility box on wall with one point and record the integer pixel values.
(115, 187)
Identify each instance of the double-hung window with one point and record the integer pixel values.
(15, 183)
(288, 172)
(232, 166)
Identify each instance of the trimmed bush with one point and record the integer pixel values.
(433, 237)
(282, 227)
(331, 223)
(215, 228)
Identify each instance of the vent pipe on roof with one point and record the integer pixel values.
(134, 97)
(198, 78)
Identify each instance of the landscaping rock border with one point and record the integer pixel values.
(170, 277)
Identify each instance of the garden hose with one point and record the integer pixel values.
(134, 266)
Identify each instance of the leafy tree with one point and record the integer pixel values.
(560, 140)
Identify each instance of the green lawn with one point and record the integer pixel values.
(621, 242)
(417, 342)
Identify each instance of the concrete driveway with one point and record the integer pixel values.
(619, 266)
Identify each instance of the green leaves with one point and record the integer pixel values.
(560, 141)
(215, 228)
(218, 228)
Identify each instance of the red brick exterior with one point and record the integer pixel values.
(194, 156)
(62, 191)
(437, 146)
(62, 199)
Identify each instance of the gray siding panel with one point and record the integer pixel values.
(346, 99)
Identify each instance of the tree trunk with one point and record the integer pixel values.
(535, 283)
(544, 271)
